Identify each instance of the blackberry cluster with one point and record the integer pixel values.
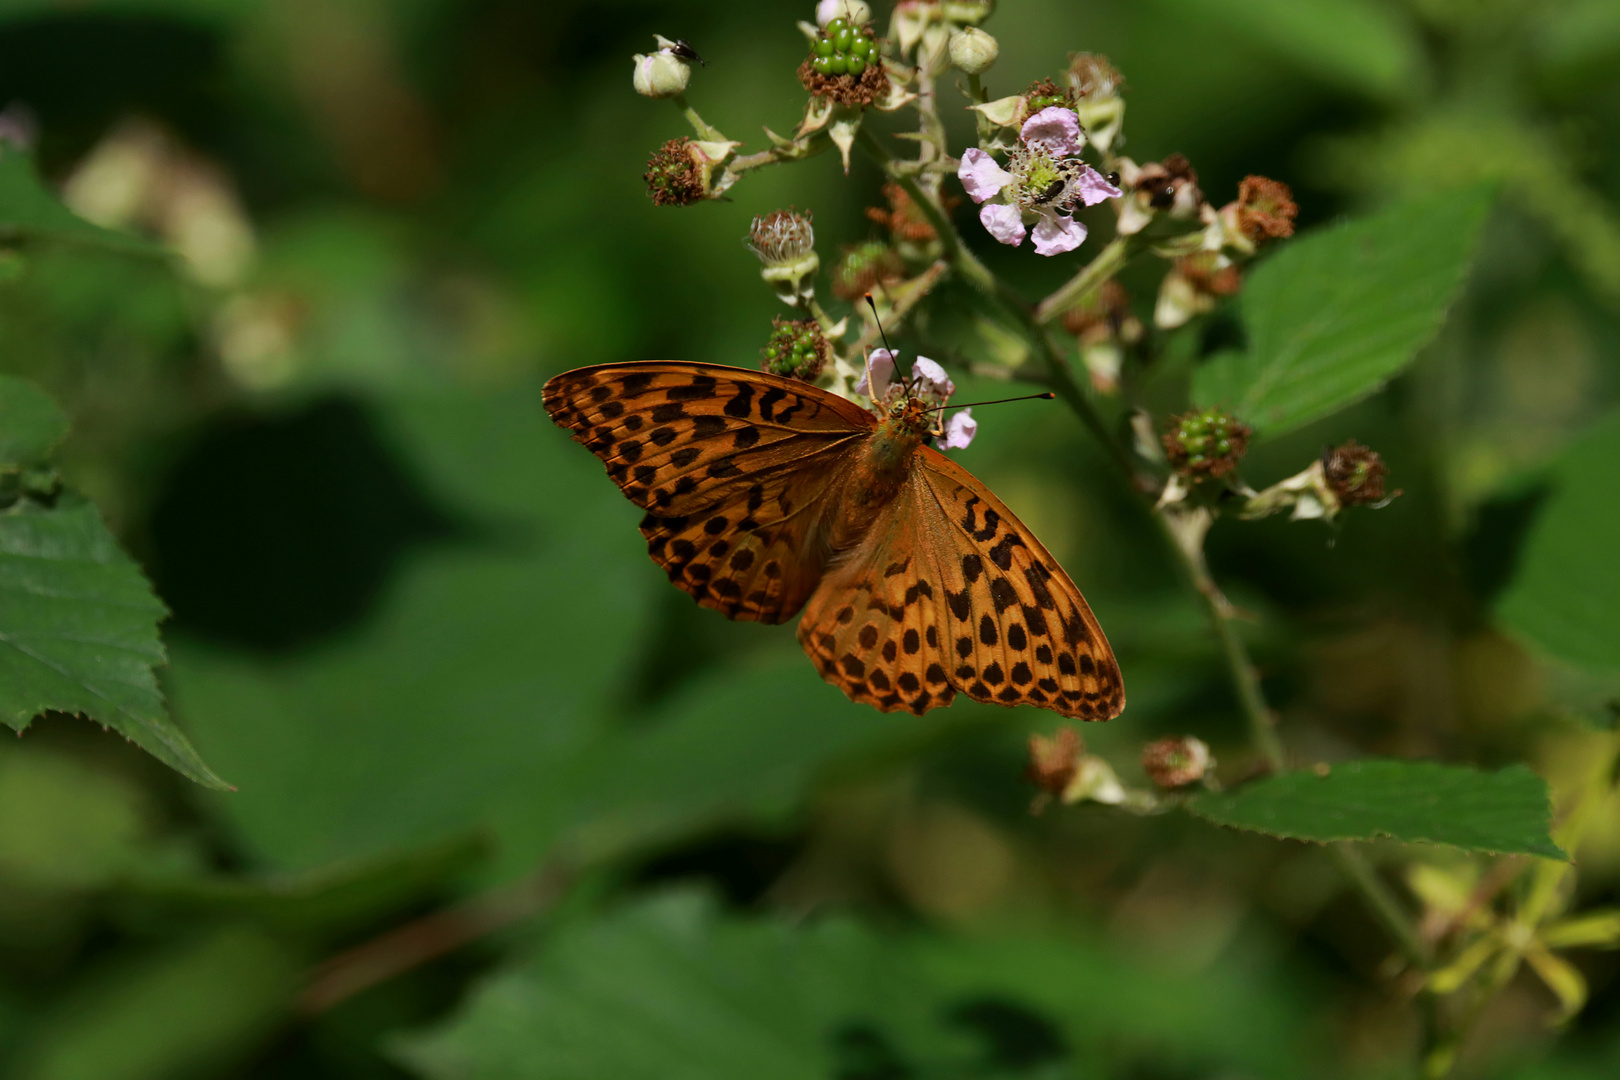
(796, 349)
(1207, 443)
(843, 49)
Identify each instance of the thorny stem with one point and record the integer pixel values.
(1240, 668)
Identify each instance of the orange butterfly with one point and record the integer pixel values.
(765, 495)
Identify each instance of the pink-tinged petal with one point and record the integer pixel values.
(1094, 187)
(1056, 129)
(959, 431)
(981, 177)
(930, 379)
(1056, 234)
(1005, 223)
(877, 375)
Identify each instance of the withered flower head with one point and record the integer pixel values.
(1053, 762)
(782, 236)
(1176, 762)
(1208, 272)
(1170, 184)
(1355, 474)
(673, 176)
(1265, 208)
(1206, 444)
(1092, 75)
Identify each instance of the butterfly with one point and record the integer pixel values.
(766, 496)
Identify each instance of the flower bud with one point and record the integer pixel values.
(853, 12)
(973, 50)
(1206, 444)
(1173, 763)
(662, 74)
(797, 349)
(785, 242)
(966, 12)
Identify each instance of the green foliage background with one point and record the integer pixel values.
(414, 626)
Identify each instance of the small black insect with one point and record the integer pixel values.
(1164, 197)
(1053, 190)
(1113, 178)
(686, 52)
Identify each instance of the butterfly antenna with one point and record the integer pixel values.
(1046, 396)
(905, 379)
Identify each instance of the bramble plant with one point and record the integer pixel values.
(1048, 164)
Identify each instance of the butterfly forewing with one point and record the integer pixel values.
(953, 593)
(731, 465)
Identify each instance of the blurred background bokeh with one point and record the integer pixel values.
(417, 629)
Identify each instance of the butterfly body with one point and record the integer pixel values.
(766, 496)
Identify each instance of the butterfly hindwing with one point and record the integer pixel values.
(953, 594)
(732, 466)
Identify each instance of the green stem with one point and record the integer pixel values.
(1386, 907)
(699, 125)
(1108, 262)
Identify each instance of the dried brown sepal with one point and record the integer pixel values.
(1053, 762)
(857, 91)
(1206, 444)
(863, 267)
(1093, 75)
(1209, 273)
(1176, 762)
(1109, 305)
(905, 222)
(673, 177)
(1355, 474)
(1266, 208)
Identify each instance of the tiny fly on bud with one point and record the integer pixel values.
(686, 52)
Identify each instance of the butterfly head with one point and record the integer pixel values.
(917, 415)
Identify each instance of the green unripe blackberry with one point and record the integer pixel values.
(796, 349)
(1205, 444)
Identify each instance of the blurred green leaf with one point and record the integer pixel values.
(483, 693)
(670, 989)
(31, 425)
(78, 632)
(1357, 44)
(29, 210)
(64, 825)
(1337, 313)
(204, 1004)
(1505, 811)
(1566, 593)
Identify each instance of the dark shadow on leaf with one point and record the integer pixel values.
(1014, 1037)
(863, 1052)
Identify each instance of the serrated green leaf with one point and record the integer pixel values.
(78, 632)
(670, 989)
(28, 209)
(31, 425)
(1353, 43)
(1506, 811)
(1565, 596)
(1336, 314)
